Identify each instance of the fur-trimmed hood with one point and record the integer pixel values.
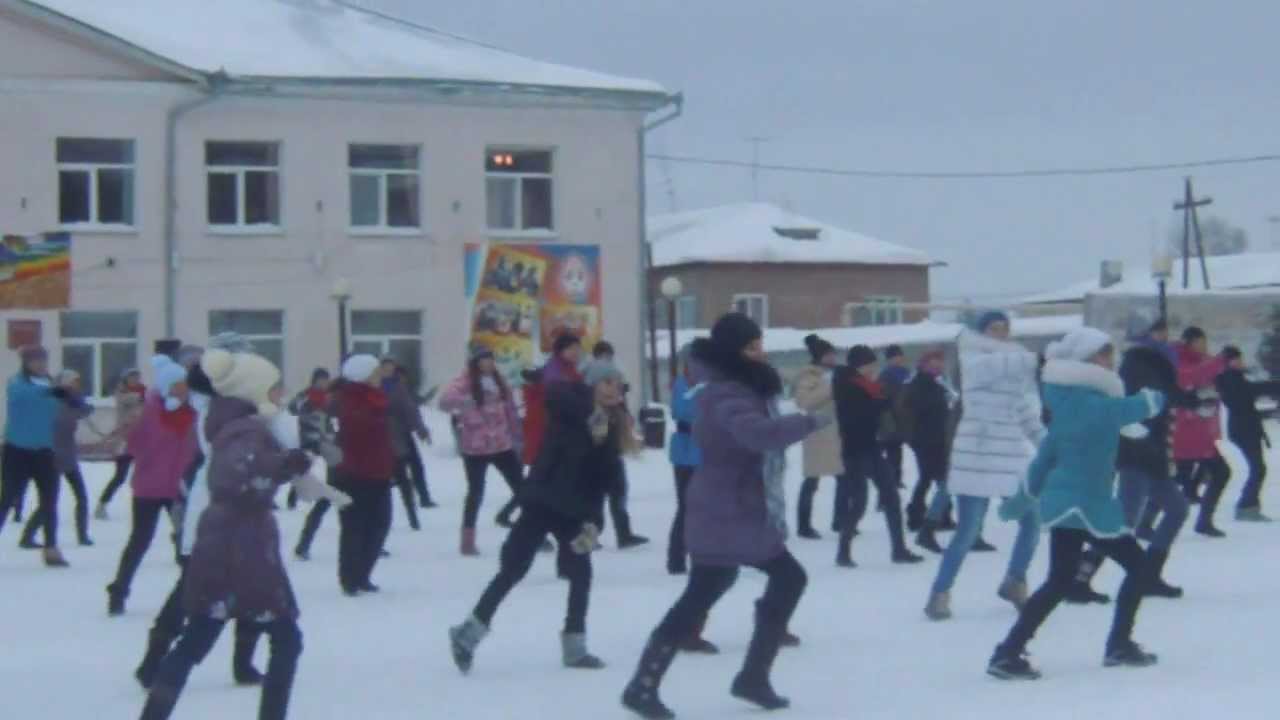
(760, 378)
(1089, 375)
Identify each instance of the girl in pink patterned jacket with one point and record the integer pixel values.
(489, 431)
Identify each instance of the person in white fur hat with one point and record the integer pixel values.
(236, 570)
(1072, 484)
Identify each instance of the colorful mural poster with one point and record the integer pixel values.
(35, 271)
(520, 297)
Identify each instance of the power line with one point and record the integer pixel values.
(968, 175)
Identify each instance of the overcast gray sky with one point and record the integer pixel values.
(941, 85)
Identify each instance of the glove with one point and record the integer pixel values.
(311, 489)
(297, 462)
(1013, 508)
(1156, 401)
(586, 540)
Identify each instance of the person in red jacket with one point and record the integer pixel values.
(1196, 430)
(365, 472)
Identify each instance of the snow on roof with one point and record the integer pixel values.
(760, 232)
(923, 333)
(317, 39)
(1226, 272)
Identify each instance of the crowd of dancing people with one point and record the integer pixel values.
(1104, 447)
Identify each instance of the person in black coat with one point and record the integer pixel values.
(1244, 427)
(923, 422)
(582, 449)
(861, 403)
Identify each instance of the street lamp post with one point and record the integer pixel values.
(671, 289)
(342, 296)
(1161, 271)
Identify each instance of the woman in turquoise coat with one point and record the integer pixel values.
(1072, 483)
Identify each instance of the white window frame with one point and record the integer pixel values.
(384, 340)
(281, 337)
(885, 309)
(240, 227)
(519, 229)
(383, 227)
(92, 168)
(747, 298)
(103, 395)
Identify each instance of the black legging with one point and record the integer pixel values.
(146, 516)
(1192, 472)
(804, 506)
(872, 467)
(363, 527)
(677, 557)
(1255, 456)
(893, 455)
(475, 466)
(76, 481)
(404, 481)
(932, 462)
(518, 553)
(194, 646)
(708, 583)
(616, 498)
(311, 525)
(1066, 549)
(20, 466)
(123, 463)
(418, 472)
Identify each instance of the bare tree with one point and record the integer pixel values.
(1220, 238)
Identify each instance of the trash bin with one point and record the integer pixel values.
(653, 423)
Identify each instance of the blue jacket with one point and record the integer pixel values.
(894, 377)
(683, 451)
(31, 410)
(1073, 474)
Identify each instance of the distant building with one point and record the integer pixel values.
(784, 270)
(231, 164)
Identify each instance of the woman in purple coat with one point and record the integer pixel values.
(236, 570)
(735, 515)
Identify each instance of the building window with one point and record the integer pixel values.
(244, 184)
(264, 329)
(95, 181)
(518, 190)
(100, 346)
(385, 187)
(754, 306)
(394, 333)
(874, 310)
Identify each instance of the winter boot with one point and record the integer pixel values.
(1014, 591)
(903, 556)
(160, 703)
(242, 669)
(808, 533)
(1156, 586)
(1251, 515)
(468, 543)
(503, 518)
(158, 644)
(844, 551)
(926, 538)
(631, 541)
(1080, 592)
(948, 523)
(1127, 653)
(790, 639)
(982, 546)
(115, 600)
(53, 558)
(100, 513)
(1209, 506)
(641, 695)
(698, 645)
(464, 639)
(915, 516)
(939, 607)
(573, 647)
(752, 684)
(1011, 664)
(804, 510)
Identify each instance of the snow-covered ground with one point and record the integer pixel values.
(868, 651)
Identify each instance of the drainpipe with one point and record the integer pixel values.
(175, 114)
(648, 375)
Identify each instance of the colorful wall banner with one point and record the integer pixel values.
(520, 297)
(35, 271)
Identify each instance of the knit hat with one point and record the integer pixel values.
(861, 356)
(243, 376)
(818, 348)
(602, 348)
(232, 342)
(1141, 323)
(563, 342)
(1079, 344)
(733, 332)
(319, 374)
(893, 351)
(598, 371)
(1231, 352)
(359, 368)
(989, 318)
(167, 373)
(1193, 334)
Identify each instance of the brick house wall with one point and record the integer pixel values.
(799, 295)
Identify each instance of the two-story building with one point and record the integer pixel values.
(239, 164)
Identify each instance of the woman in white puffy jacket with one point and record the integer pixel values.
(999, 430)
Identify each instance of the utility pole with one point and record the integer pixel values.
(1190, 225)
(755, 165)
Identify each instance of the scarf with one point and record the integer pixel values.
(871, 387)
(775, 490)
(179, 421)
(317, 399)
